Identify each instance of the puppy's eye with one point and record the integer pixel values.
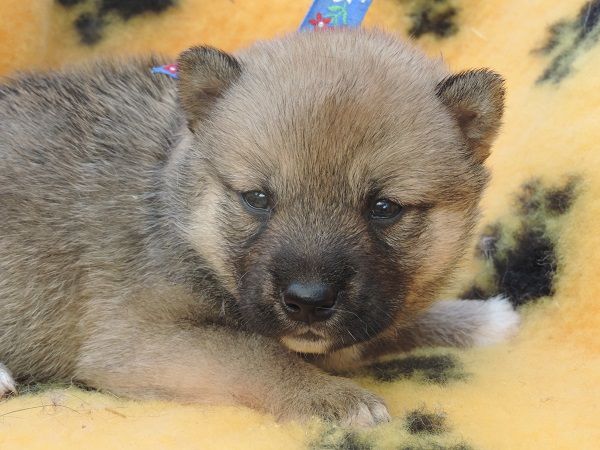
(257, 200)
(384, 209)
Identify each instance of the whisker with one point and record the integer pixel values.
(351, 335)
(349, 312)
(358, 317)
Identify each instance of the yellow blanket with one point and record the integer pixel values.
(540, 232)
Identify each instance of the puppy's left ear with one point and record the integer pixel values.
(204, 75)
(476, 99)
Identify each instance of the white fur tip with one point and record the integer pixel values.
(7, 384)
(499, 322)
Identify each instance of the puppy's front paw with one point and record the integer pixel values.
(499, 321)
(340, 400)
(367, 412)
(7, 384)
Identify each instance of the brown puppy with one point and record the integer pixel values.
(191, 240)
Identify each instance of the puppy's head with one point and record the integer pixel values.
(333, 179)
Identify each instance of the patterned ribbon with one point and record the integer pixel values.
(323, 14)
(335, 13)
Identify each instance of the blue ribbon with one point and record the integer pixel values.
(325, 14)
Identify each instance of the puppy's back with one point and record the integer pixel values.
(78, 155)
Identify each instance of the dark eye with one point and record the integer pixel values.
(382, 209)
(257, 200)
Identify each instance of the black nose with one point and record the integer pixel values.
(309, 302)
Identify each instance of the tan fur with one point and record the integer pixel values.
(129, 262)
(476, 99)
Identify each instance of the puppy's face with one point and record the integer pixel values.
(338, 176)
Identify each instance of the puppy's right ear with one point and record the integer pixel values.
(204, 74)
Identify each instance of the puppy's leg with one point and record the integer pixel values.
(464, 323)
(7, 384)
(220, 366)
(447, 323)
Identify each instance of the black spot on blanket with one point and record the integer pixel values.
(131, 8)
(439, 369)
(437, 17)
(420, 421)
(558, 201)
(91, 23)
(89, 26)
(436, 446)
(526, 271)
(568, 39)
(351, 441)
(338, 439)
(418, 430)
(523, 261)
(69, 3)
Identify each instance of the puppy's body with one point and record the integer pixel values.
(128, 259)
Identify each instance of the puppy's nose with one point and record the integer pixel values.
(309, 302)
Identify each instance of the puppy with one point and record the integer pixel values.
(225, 237)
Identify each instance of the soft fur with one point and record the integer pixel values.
(538, 390)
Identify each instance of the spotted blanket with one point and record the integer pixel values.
(539, 239)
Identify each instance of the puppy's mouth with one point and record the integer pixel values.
(307, 340)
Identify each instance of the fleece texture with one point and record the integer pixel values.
(538, 243)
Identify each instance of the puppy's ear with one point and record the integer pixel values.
(476, 99)
(204, 74)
